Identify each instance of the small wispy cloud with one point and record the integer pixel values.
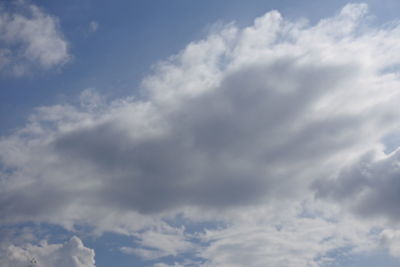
(93, 26)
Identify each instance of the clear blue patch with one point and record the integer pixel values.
(107, 250)
(391, 142)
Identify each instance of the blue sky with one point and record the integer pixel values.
(199, 133)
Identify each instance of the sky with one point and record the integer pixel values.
(199, 133)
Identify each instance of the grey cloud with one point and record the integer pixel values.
(370, 187)
(220, 148)
(31, 201)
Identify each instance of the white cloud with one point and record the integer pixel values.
(93, 26)
(247, 119)
(90, 99)
(305, 243)
(390, 238)
(30, 38)
(71, 254)
(160, 242)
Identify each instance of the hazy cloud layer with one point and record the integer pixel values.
(263, 116)
(29, 38)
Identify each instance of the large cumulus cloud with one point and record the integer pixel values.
(246, 117)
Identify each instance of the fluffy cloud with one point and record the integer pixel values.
(28, 38)
(71, 254)
(245, 119)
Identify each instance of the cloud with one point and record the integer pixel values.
(245, 119)
(70, 254)
(390, 239)
(369, 187)
(162, 241)
(212, 134)
(29, 38)
(261, 237)
(93, 26)
(306, 242)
